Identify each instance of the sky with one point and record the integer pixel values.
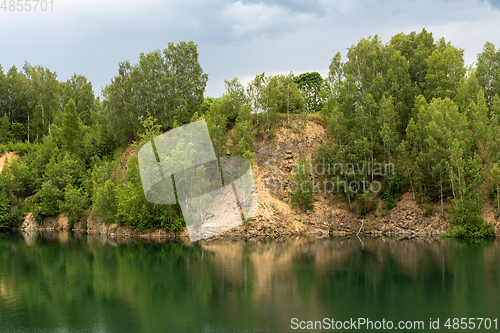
(235, 38)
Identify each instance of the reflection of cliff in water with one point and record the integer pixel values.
(255, 282)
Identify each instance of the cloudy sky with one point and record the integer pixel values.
(235, 38)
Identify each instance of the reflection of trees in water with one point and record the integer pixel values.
(241, 282)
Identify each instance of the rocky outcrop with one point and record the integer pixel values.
(29, 224)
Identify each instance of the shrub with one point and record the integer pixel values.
(303, 193)
(394, 186)
(467, 220)
(75, 202)
(470, 231)
(105, 201)
(366, 203)
(47, 200)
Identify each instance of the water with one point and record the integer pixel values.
(64, 283)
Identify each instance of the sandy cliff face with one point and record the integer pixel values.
(274, 162)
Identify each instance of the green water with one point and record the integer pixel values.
(64, 283)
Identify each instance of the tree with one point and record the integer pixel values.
(400, 87)
(281, 95)
(480, 124)
(205, 106)
(150, 129)
(5, 132)
(4, 92)
(105, 201)
(309, 85)
(47, 200)
(44, 93)
(365, 61)
(121, 118)
(335, 76)
(467, 91)
(80, 91)
(495, 179)
(388, 124)
(416, 48)
(70, 128)
(255, 93)
(168, 84)
(488, 71)
(445, 68)
(243, 137)
(233, 99)
(217, 125)
(75, 202)
(184, 82)
(494, 144)
(303, 192)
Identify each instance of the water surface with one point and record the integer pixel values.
(65, 283)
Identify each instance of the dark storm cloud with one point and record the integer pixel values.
(494, 3)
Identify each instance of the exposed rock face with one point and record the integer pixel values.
(58, 222)
(29, 224)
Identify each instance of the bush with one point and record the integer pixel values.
(394, 186)
(303, 193)
(470, 231)
(22, 178)
(467, 221)
(21, 148)
(105, 201)
(47, 200)
(75, 202)
(366, 203)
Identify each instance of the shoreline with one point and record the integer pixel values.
(160, 235)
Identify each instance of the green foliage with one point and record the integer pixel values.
(472, 231)
(132, 208)
(205, 106)
(393, 186)
(410, 102)
(5, 131)
(217, 125)
(366, 202)
(488, 71)
(75, 202)
(243, 137)
(78, 89)
(63, 170)
(232, 100)
(47, 200)
(22, 178)
(42, 97)
(495, 182)
(303, 189)
(309, 85)
(150, 129)
(170, 84)
(105, 201)
(10, 215)
(70, 136)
